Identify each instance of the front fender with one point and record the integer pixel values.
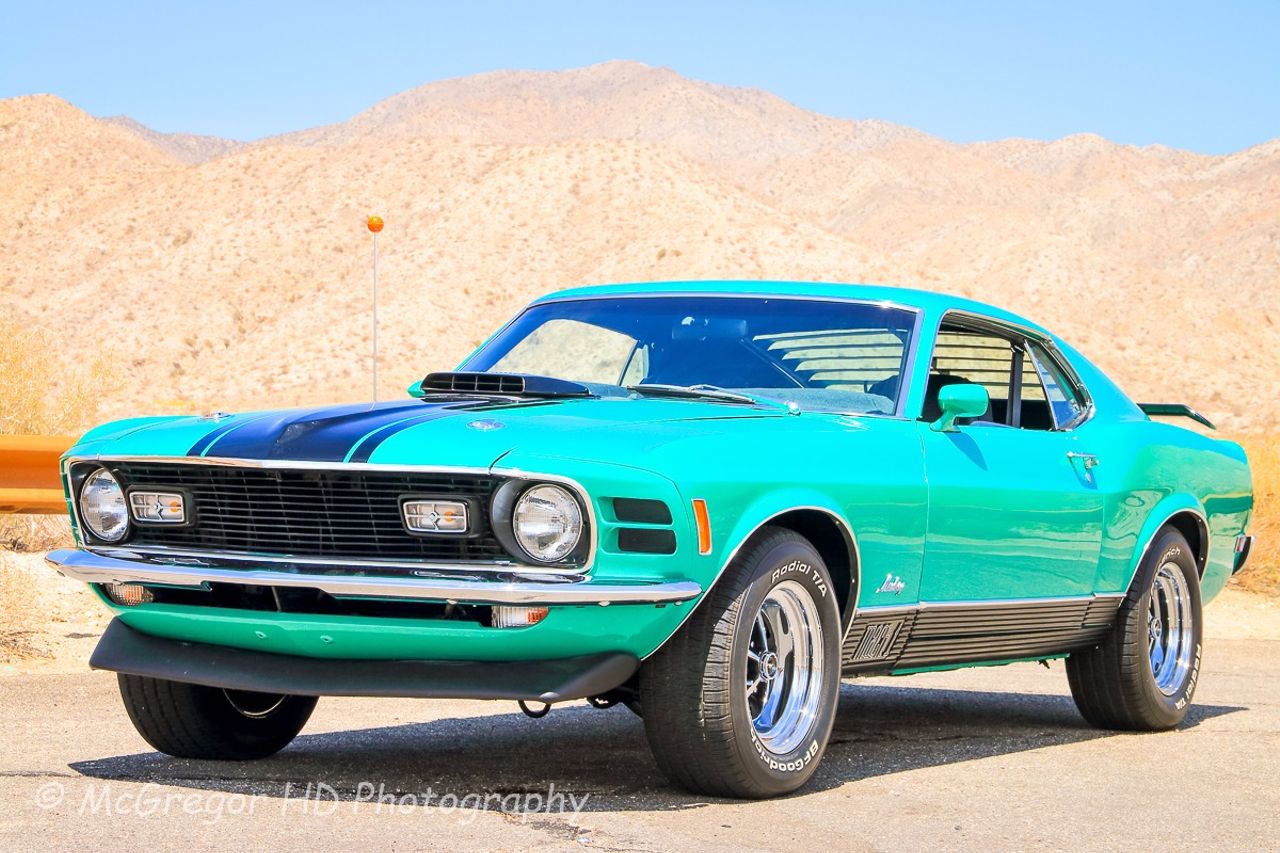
(741, 526)
(733, 522)
(733, 526)
(604, 481)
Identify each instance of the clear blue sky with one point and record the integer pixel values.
(1204, 76)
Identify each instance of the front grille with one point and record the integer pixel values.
(305, 512)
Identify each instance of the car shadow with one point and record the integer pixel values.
(879, 730)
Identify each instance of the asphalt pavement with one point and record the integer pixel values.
(975, 759)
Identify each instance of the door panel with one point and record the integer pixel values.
(1011, 515)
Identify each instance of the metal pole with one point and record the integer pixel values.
(375, 316)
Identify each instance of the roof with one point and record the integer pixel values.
(931, 302)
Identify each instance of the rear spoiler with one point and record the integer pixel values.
(1175, 410)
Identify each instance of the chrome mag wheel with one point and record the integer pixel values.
(769, 626)
(1161, 613)
(1170, 628)
(785, 667)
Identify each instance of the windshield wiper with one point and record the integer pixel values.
(699, 392)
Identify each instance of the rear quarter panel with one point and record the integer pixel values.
(1151, 470)
(1155, 470)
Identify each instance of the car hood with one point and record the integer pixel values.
(426, 432)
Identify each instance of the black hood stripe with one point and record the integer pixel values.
(202, 446)
(323, 435)
(371, 441)
(205, 444)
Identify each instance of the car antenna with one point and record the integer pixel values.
(374, 224)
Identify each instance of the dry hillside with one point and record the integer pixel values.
(187, 147)
(217, 274)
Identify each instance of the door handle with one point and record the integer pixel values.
(1087, 459)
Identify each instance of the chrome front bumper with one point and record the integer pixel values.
(92, 567)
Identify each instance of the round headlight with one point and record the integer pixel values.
(102, 506)
(547, 522)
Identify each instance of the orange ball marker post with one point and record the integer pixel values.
(374, 224)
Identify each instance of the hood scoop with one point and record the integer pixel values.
(501, 384)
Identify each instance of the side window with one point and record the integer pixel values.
(1065, 399)
(571, 349)
(970, 356)
(1034, 413)
(1005, 366)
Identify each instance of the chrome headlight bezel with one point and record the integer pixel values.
(514, 496)
(106, 487)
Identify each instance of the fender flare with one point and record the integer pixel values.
(758, 515)
(1163, 512)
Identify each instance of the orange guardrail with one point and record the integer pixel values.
(29, 476)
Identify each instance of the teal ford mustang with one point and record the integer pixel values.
(708, 501)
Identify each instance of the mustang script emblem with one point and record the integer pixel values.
(892, 584)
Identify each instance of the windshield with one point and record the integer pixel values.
(827, 356)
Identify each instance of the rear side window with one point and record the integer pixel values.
(1027, 385)
(1065, 399)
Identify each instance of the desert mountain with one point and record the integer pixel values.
(625, 101)
(188, 148)
(225, 275)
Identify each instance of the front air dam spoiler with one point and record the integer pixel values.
(126, 650)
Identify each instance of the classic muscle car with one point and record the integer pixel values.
(706, 501)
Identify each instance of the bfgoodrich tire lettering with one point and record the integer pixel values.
(194, 721)
(1143, 675)
(698, 702)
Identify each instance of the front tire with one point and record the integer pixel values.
(740, 702)
(194, 721)
(1143, 675)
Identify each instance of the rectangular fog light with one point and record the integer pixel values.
(430, 516)
(517, 617)
(158, 507)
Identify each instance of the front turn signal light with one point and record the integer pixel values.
(703, 521)
(504, 616)
(128, 594)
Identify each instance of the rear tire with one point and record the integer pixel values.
(1143, 675)
(194, 721)
(740, 702)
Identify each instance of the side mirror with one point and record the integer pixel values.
(963, 400)
(415, 390)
